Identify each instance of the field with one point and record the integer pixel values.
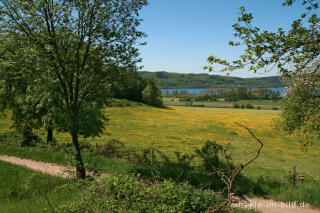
(185, 129)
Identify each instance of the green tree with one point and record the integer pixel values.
(294, 52)
(15, 89)
(275, 96)
(79, 41)
(126, 84)
(301, 113)
(151, 94)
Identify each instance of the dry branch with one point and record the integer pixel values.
(228, 176)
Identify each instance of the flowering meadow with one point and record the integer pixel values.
(185, 129)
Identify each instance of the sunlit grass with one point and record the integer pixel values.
(185, 129)
(23, 190)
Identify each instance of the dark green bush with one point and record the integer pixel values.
(198, 105)
(249, 106)
(243, 106)
(112, 148)
(26, 138)
(235, 105)
(214, 156)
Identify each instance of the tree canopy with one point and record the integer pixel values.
(294, 53)
(288, 51)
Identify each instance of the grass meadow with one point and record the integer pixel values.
(185, 129)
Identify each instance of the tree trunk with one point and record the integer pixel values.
(49, 135)
(80, 170)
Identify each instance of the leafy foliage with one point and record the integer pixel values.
(215, 156)
(265, 50)
(128, 84)
(301, 113)
(66, 48)
(151, 94)
(126, 193)
(294, 52)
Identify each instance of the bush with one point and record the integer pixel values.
(249, 106)
(127, 193)
(243, 106)
(26, 138)
(188, 103)
(235, 105)
(214, 156)
(258, 107)
(198, 105)
(275, 108)
(112, 148)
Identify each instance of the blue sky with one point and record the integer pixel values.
(183, 33)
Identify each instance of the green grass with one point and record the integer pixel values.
(62, 154)
(23, 190)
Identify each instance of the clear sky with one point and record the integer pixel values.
(183, 33)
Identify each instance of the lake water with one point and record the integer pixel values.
(198, 91)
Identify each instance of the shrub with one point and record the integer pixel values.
(127, 193)
(235, 105)
(198, 105)
(214, 156)
(188, 103)
(112, 148)
(275, 108)
(243, 106)
(249, 106)
(26, 138)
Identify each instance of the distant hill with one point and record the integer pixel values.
(178, 80)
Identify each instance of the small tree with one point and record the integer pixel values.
(151, 94)
(301, 113)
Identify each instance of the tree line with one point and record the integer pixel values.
(204, 80)
(233, 94)
(128, 84)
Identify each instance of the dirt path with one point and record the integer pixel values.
(263, 205)
(46, 168)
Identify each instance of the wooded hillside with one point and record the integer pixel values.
(177, 80)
